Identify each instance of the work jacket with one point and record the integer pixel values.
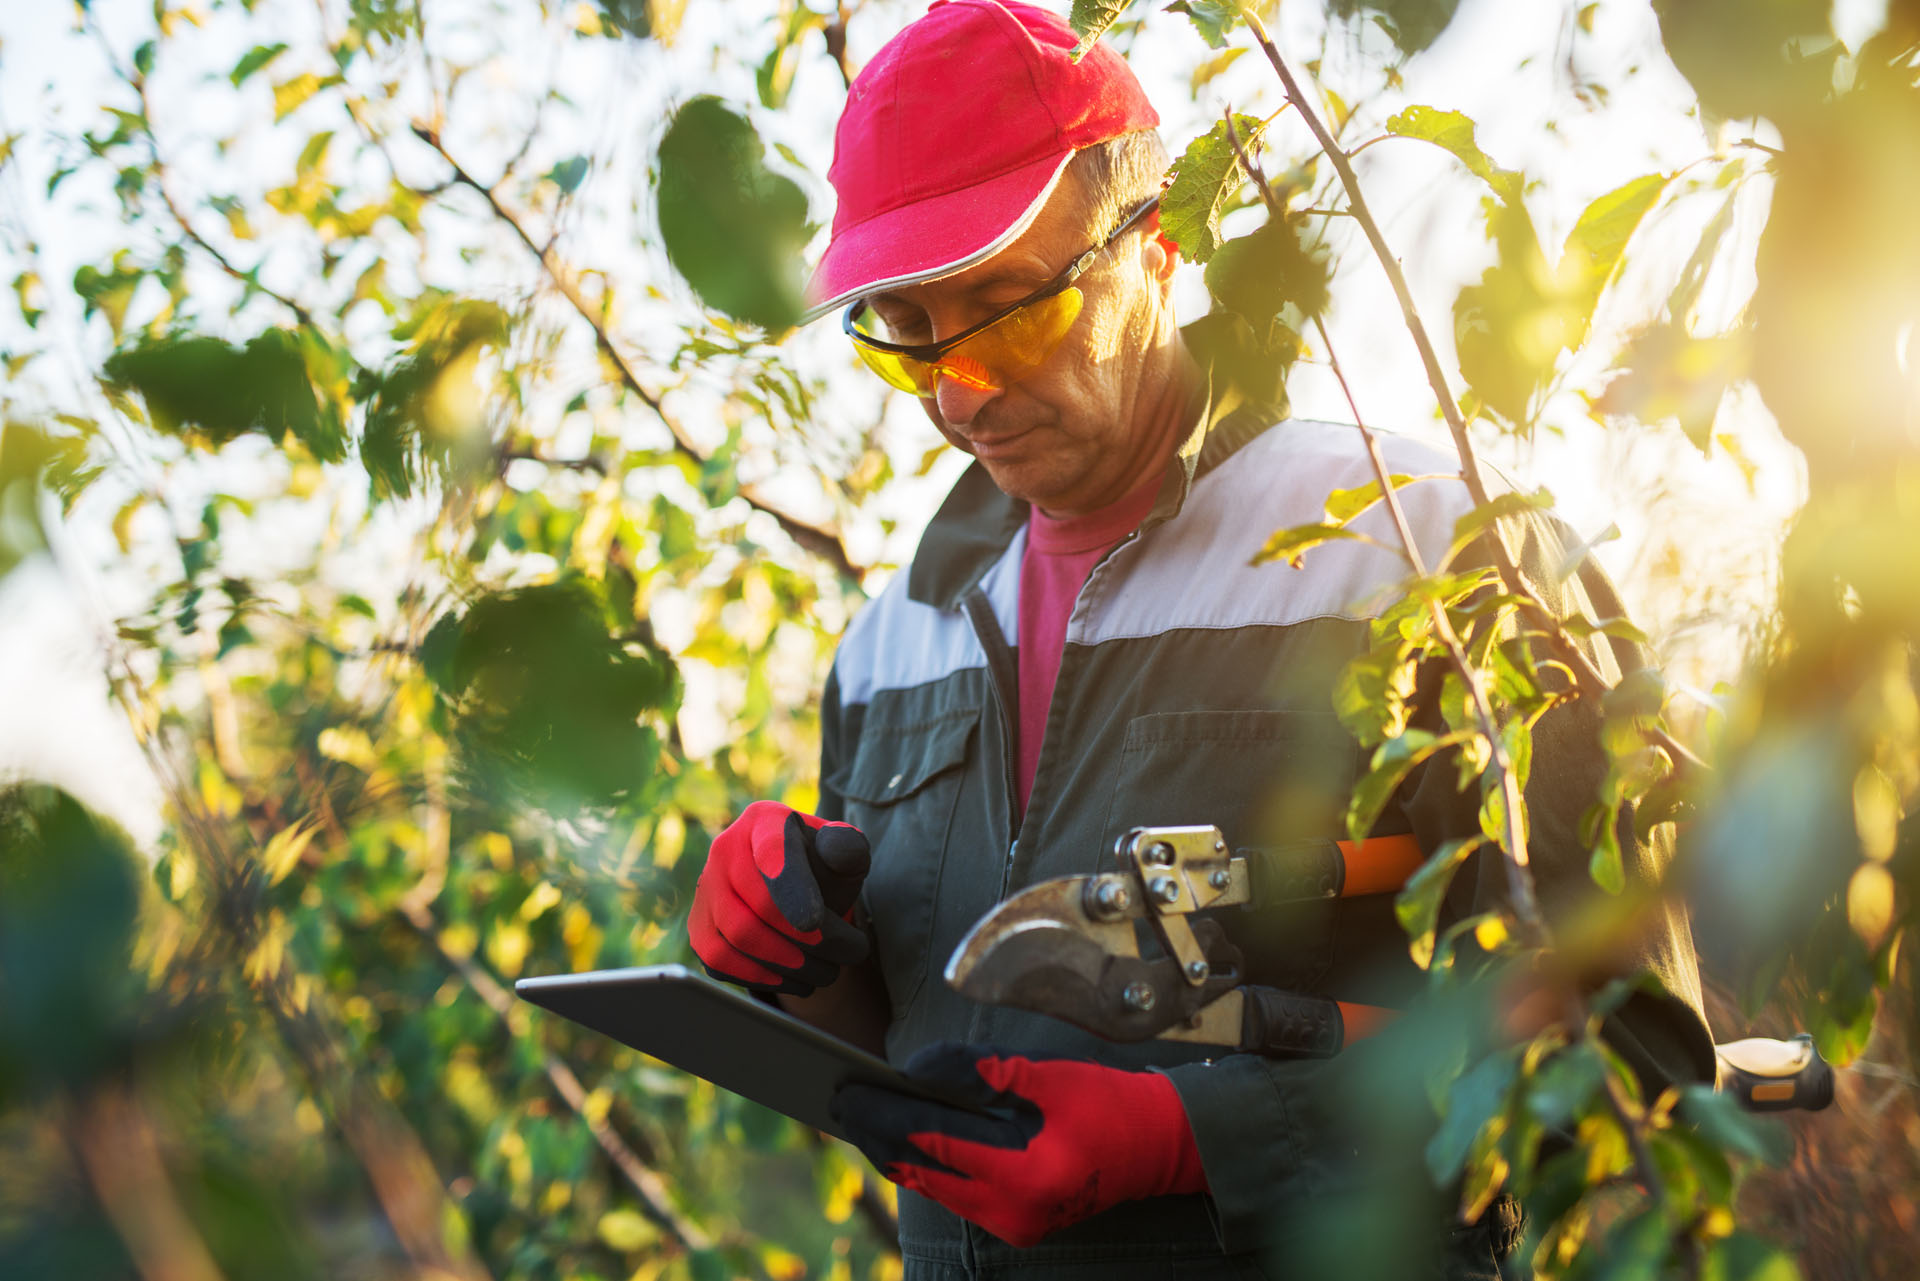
(1195, 688)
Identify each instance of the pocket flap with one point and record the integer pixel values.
(895, 761)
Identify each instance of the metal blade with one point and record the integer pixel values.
(1043, 928)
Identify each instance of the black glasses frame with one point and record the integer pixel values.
(930, 353)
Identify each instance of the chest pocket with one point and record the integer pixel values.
(1262, 777)
(903, 789)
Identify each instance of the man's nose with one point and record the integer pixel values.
(961, 392)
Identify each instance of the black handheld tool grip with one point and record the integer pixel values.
(1287, 1025)
(1766, 1075)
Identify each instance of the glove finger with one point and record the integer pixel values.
(839, 857)
(726, 962)
(953, 1067)
(789, 873)
(752, 888)
(842, 942)
(882, 1123)
(800, 964)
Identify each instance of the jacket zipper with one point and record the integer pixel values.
(1004, 676)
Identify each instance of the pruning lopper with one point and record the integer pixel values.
(1072, 948)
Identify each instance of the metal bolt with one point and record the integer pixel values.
(1219, 847)
(1137, 997)
(1111, 898)
(1197, 970)
(1160, 854)
(1166, 889)
(1219, 880)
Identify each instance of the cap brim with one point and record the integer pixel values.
(930, 238)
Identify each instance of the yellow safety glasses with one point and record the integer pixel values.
(1002, 349)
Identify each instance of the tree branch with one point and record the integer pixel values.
(1588, 679)
(114, 1140)
(824, 543)
(655, 1199)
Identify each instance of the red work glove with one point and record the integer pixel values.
(769, 911)
(1061, 1139)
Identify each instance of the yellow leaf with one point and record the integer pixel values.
(626, 1230)
(289, 94)
(1870, 903)
(669, 839)
(349, 746)
(285, 849)
(782, 1265)
(459, 939)
(507, 948)
(1876, 813)
(595, 1106)
(1490, 933)
(840, 1201)
(544, 895)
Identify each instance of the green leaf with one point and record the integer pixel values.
(1665, 374)
(1268, 268)
(1417, 905)
(253, 60)
(1412, 25)
(206, 388)
(1372, 693)
(546, 699)
(732, 227)
(24, 454)
(1510, 327)
(1745, 1257)
(1090, 20)
(1618, 626)
(1344, 504)
(314, 152)
(1392, 761)
(1605, 866)
(1598, 240)
(568, 174)
(1291, 544)
(1213, 19)
(1561, 1088)
(1469, 527)
(1245, 365)
(1725, 1124)
(1204, 176)
(1453, 132)
(1475, 1099)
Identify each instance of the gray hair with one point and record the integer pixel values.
(1111, 177)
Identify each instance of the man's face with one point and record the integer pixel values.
(1089, 424)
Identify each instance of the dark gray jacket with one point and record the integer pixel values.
(1194, 688)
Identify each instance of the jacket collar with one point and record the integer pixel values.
(977, 522)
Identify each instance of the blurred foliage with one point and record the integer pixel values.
(436, 506)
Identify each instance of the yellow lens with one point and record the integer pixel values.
(902, 373)
(988, 361)
(1022, 342)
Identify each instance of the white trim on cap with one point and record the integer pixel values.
(993, 247)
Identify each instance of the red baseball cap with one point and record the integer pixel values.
(954, 136)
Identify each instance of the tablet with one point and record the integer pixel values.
(719, 1033)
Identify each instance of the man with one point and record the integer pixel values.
(1080, 646)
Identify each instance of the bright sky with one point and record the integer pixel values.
(1506, 63)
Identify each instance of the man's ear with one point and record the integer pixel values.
(1172, 249)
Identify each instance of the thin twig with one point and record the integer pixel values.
(1588, 679)
(824, 543)
(114, 1139)
(1519, 879)
(248, 278)
(656, 1200)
